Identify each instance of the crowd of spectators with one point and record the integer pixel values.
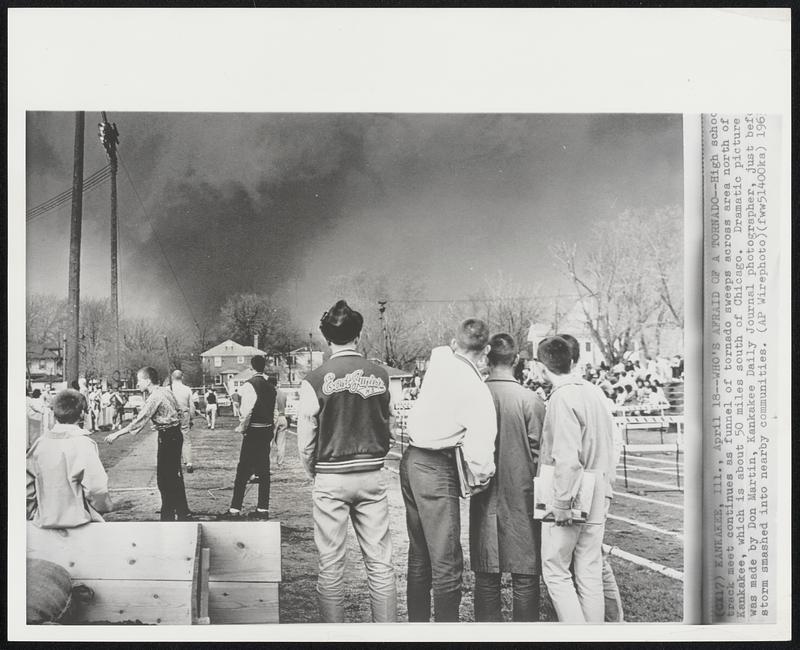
(635, 388)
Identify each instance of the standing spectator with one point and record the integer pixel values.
(105, 410)
(80, 386)
(183, 396)
(611, 596)
(161, 408)
(257, 425)
(236, 402)
(66, 485)
(93, 398)
(578, 436)
(454, 408)
(211, 408)
(118, 404)
(503, 536)
(342, 437)
(279, 441)
(35, 412)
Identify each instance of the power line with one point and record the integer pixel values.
(508, 299)
(68, 192)
(158, 241)
(40, 211)
(89, 183)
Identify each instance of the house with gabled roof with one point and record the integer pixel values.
(227, 360)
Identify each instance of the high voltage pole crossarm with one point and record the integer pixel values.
(109, 138)
(74, 292)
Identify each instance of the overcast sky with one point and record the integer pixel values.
(281, 202)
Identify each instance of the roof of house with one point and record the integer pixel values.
(46, 352)
(231, 348)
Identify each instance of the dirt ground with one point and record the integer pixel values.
(647, 596)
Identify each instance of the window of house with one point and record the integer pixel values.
(217, 379)
(588, 346)
(217, 361)
(239, 359)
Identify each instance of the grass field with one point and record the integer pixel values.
(647, 596)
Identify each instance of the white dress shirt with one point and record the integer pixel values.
(455, 407)
(249, 397)
(183, 395)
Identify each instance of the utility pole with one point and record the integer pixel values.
(169, 361)
(74, 292)
(386, 353)
(109, 138)
(62, 339)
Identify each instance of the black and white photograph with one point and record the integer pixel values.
(331, 367)
(262, 300)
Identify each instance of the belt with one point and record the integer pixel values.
(177, 425)
(445, 451)
(259, 425)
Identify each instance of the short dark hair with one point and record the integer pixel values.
(555, 353)
(68, 405)
(472, 334)
(574, 346)
(151, 372)
(259, 363)
(36, 394)
(341, 324)
(503, 350)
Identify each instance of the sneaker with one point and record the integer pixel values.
(189, 469)
(230, 516)
(258, 514)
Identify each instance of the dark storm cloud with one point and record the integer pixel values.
(259, 202)
(40, 153)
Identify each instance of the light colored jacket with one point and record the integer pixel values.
(578, 434)
(67, 485)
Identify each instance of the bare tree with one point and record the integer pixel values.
(95, 338)
(245, 315)
(45, 320)
(398, 335)
(629, 279)
(507, 306)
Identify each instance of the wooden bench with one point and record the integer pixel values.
(170, 573)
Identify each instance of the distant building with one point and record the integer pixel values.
(46, 364)
(298, 363)
(226, 361)
(396, 378)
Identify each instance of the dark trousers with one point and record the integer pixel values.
(525, 589)
(169, 474)
(253, 460)
(429, 483)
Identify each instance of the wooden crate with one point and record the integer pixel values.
(244, 571)
(145, 571)
(170, 573)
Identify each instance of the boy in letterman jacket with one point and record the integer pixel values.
(342, 437)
